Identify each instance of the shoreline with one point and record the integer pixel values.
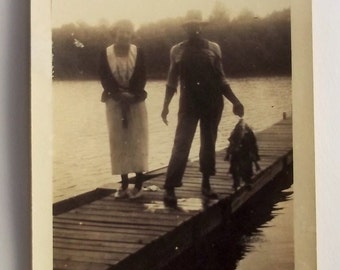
(163, 78)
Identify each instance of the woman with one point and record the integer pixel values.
(123, 77)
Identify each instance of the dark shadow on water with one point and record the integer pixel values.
(226, 246)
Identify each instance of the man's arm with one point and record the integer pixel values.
(238, 108)
(171, 86)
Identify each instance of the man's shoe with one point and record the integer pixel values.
(170, 197)
(236, 187)
(248, 186)
(209, 193)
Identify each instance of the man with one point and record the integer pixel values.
(197, 64)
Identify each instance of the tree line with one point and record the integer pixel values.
(250, 45)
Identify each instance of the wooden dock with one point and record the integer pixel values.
(102, 233)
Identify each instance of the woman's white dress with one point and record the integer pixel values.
(128, 145)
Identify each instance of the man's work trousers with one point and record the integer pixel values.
(186, 127)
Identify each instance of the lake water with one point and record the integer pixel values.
(81, 160)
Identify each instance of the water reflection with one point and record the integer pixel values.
(260, 236)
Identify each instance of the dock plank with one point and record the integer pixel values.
(96, 245)
(123, 220)
(68, 264)
(84, 256)
(109, 226)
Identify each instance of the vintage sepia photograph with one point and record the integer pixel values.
(172, 135)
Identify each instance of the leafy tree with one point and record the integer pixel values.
(250, 45)
(219, 13)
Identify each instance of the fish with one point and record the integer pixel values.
(242, 153)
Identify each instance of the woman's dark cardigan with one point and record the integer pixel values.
(136, 84)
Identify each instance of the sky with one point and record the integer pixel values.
(93, 12)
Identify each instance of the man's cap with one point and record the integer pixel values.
(193, 17)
